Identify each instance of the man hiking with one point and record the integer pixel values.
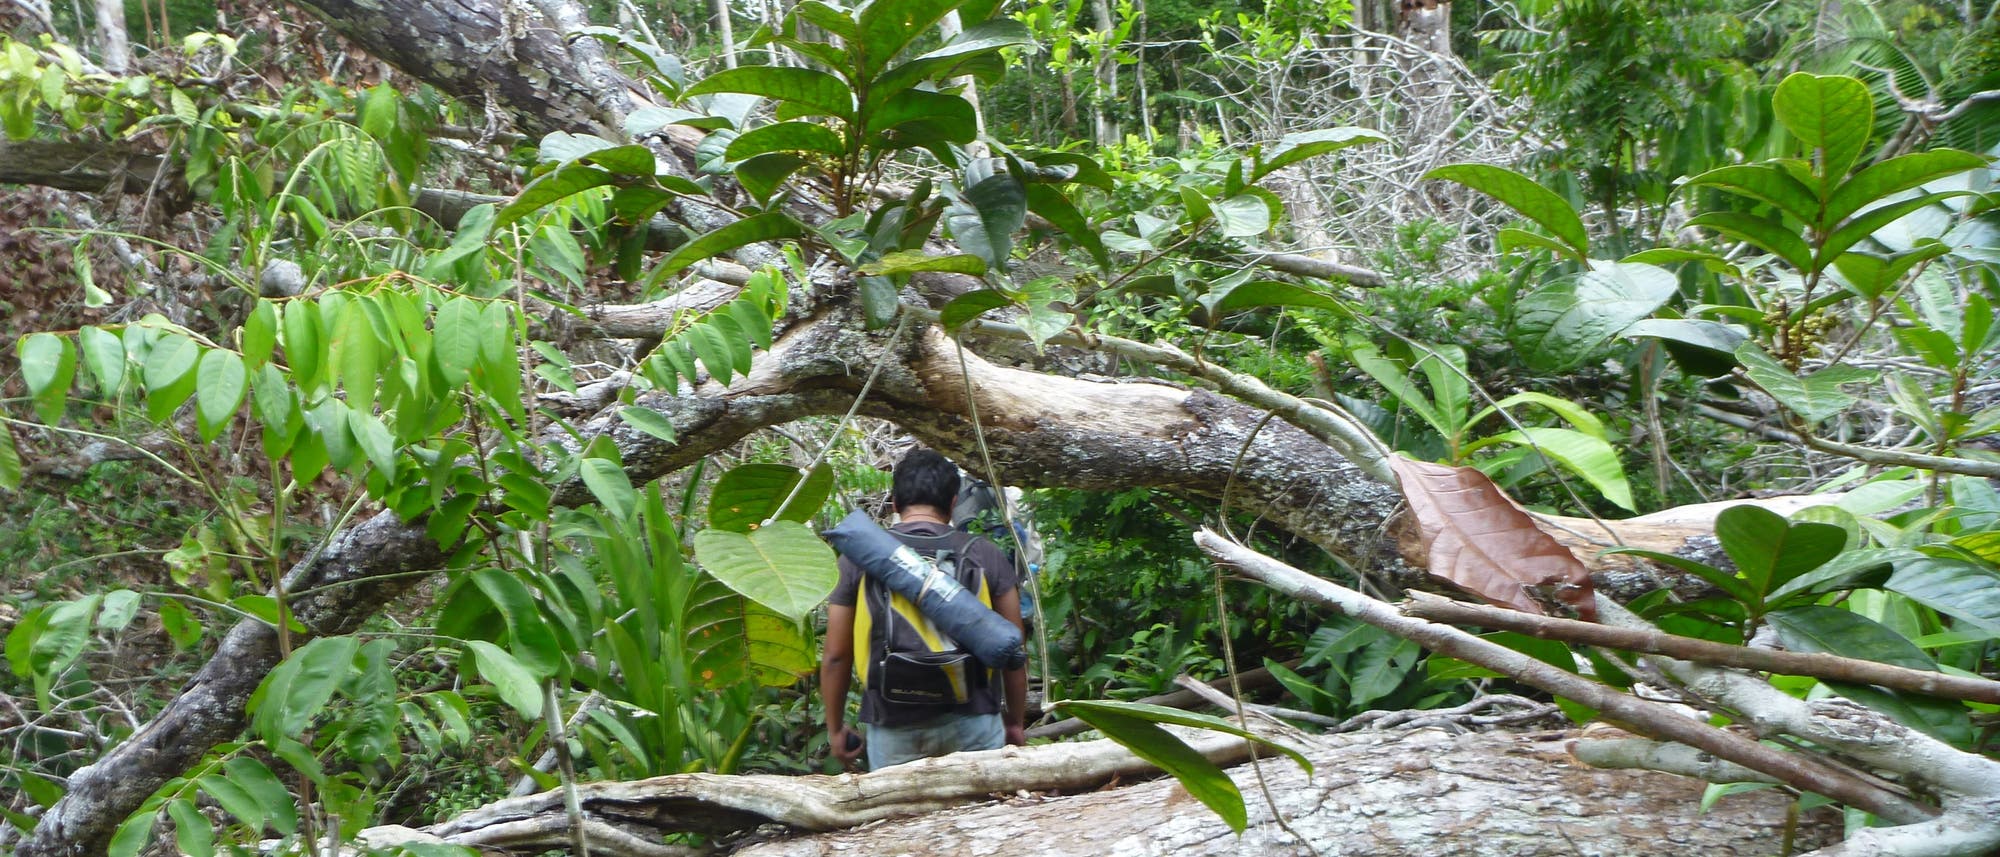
(965, 710)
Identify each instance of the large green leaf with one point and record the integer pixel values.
(531, 639)
(561, 183)
(732, 638)
(10, 462)
(885, 27)
(1765, 233)
(299, 688)
(1225, 300)
(764, 174)
(1244, 215)
(1961, 589)
(1765, 182)
(749, 494)
(455, 339)
(980, 40)
(518, 685)
(786, 137)
(220, 382)
(1293, 148)
(782, 566)
(1770, 551)
(1053, 206)
(1870, 222)
(772, 226)
(1817, 628)
(1589, 457)
(169, 374)
(1522, 194)
(607, 481)
(971, 305)
(817, 90)
(1814, 397)
(1832, 114)
(104, 353)
(1896, 175)
(984, 218)
(949, 118)
(1564, 325)
(48, 364)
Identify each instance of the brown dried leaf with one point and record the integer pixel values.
(1474, 536)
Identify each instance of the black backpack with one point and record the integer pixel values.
(912, 662)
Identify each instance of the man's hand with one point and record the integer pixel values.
(1017, 735)
(846, 746)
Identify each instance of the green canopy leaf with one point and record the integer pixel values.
(1564, 325)
(749, 494)
(1830, 113)
(1522, 194)
(816, 90)
(1293, 148)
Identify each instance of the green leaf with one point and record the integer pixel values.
(786, 137)
(377, 444)
(48, 364)
(260, 334)
(1592, 458)
(104, 353)
(646, 120)
(192, 833)
(233, 800)
(1816, 628)
(1138, 731)
(1770, 551)
(262, 786)
(530, 638)
(984, 218)
(1764, 233)
(1522, 194)
(220, 383)
(455, 339)
(885, 27)
(763, 174)
(299, 688)
(976, 44)
(1293, 148)
(1814, 397)
(180, 624)
(561, 183)
(519, 687)
(628, 160)
(10, 462)
(749, 494)
(169, 375)
(732, 638)
(1832, 114)
(1705, 348)
(971, 305)
(1242, 216)
(648, 421)
(1056, 208)
(1564, 325)
(1737, 588)
(1512, 240)
(916, 117)
(607, 481)
(1896, 175)
(750, 230)
(828, 18)
(1226, 300)
(1958, 588)
(913, 261)
(782, 566)
(561, 147)
(816, 90)
(1765, 182)
(304, 348)
(1871, 222)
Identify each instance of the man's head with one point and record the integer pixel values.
(924, 478)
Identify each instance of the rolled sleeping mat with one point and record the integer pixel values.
(956, 611)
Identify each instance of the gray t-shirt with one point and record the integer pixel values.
(978, 560)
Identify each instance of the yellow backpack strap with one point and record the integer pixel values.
(864, 627)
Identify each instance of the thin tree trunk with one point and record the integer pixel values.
(1106, 74)
(727, 29)
(114, 50)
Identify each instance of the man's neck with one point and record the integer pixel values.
(921, 514)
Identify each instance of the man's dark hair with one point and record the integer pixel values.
(924, 478)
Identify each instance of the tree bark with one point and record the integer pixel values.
(1380, 794)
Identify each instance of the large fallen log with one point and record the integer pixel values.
(1420, 792)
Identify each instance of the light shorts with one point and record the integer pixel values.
(945, 733)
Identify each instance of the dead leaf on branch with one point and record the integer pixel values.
(1474, 536)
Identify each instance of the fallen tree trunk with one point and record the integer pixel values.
(1375, 793)
(1378, 794)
